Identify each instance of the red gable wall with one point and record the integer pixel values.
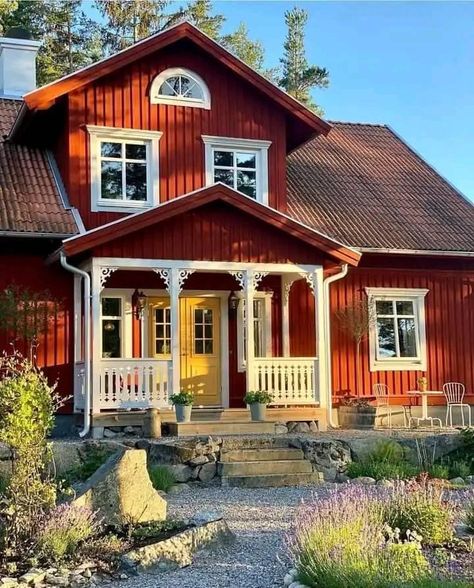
(121, 100)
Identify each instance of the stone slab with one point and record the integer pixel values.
(221, 428)
(263, 454)
(258, 468)
(272, 480)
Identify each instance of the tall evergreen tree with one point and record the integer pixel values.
(7, 8)
(70, 39)
(251, 52)
(199, 13)
(299, 78)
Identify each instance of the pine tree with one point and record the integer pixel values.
(199, 13)
(251, 52)
(7, 8)
(299, 78)
(70, 40)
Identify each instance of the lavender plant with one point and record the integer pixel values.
(63, 529)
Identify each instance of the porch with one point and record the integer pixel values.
(161, 326)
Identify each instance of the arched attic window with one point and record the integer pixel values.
(180, 87)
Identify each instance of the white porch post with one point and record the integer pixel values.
(174, 290)
(96, 333)
(286, 283)
(249, 332)
(320, 375)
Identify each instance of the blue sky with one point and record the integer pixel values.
(407, 64)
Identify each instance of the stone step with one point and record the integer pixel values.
(272, 480)
(263, 454)
(260, 468)
(221, 428)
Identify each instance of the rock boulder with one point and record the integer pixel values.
(122, 492)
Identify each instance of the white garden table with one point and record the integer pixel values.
(424, 405)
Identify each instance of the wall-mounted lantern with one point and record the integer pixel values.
(139, 303)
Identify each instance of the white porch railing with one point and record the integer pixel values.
(290, 380)
(133, 383)
(79, 386)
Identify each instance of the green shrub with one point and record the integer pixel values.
(438, 470)
(420, 507)
(381, 470)
(388, 450)
(162, 478)
(64, 529)
(469, 517)
(90, 459)
(459, 469)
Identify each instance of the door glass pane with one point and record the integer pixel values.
(111, 338)
(111, 307)
(111, 180)
(136, 181)
(407, 337)
(386, 337)
(162, 331)
(203, 331)
(405, 307)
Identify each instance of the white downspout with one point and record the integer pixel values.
(327, 337)
(87, 348)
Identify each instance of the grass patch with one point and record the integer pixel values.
(386, 461)
(162, 478)
(90, 461)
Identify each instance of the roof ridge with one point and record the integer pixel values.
(359, 124)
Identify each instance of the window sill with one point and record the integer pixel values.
(128, 208)
(398, 366)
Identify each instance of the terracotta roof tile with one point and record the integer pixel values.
(29, 199)
(364, 186)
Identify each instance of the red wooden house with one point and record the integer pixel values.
(202, 229)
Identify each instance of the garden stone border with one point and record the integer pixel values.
(178, 551)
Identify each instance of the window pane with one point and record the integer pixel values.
(159, 331)
(198, 315)
(111, 338)
(189, 89)
(159, 315)
(225, 176)
(111, 306)
(247, 183)
(136, 181)
(111, 175)
(170, 87)
(198, 346)
(258, 339)
(405, 307)
(258, 308)
(111, 149)
(246, 160)
(135, 151)
(386, 338)
(208, 315)
(198, 331)
(208, 346)
(407, 337)
(225, 158)
(208, 331)
(384, 306)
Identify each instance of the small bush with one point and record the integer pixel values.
(381, 470)
(438, 470)
(388, 450)
(162, 478)
(90, 461)
(469, 517)
(420, 507)
(106, 548)
(459, 469)
(64, 528)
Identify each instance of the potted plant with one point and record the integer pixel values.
(183, 404)
(356, 413)
(422, 384)
(258, 404)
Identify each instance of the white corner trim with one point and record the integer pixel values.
(267, 326)
(156, 98)
(259, 147)
(151, 140)
(417, 296)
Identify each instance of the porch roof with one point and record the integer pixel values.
(215, 193)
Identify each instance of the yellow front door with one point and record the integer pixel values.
(200, 347)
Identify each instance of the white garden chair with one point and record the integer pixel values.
(454, 394)
(382, 397)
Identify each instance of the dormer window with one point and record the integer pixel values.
(124, 169)
(180, 87)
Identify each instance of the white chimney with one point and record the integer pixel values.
(17, 66)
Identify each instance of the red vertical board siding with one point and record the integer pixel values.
(54, 352)
(449, 311)
(121, 100)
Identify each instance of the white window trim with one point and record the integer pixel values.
(126, 336)
(156, 84)
(415, 295)
(260, 148)
(267, 326)
(152, 140)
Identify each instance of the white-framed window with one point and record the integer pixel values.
(112, 326)
(178, 86)
(397, 336)
(262, 327)
(124, 169)
(241, 164)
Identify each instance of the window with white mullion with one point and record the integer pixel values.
(236, 168)
(397, 331)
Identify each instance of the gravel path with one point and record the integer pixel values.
(259, 518)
